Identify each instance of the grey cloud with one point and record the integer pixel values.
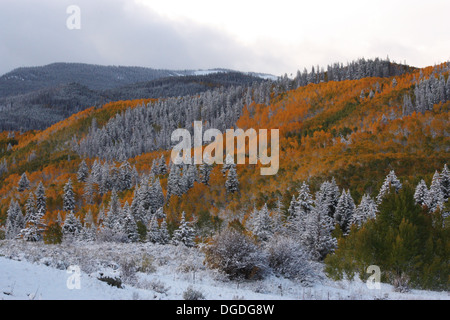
(117, 32)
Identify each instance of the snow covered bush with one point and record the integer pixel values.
(288, 258)
(192, 294)
(237, 255)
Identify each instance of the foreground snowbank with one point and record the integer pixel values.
(147, 271)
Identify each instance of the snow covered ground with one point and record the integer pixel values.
(153, 272)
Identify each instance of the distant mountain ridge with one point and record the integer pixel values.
(34, 98)
(95, 77)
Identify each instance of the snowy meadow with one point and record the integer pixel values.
(112, 271)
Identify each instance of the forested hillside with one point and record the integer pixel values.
(363, 176)
(36, 98)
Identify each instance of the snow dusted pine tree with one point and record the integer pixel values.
(366, 210)
(68, 197)
(35, 226)
(71, 228)
(130, 227)
(125, 176)
(317, 237)
(391, 181)
(445, 177)
(24, 183)
(41, 199)
(112, 217)
(89, 230)
(185, 234)
(435, 196)
(89, 189)
(156, 200)
(300, 208)
(164, 232)
(205, 171)
(154, 233)
(421, 193)
(83, 172)
(162, 166)
(232, 183)
(30, 206)
(174, 182)
(15, 221)
(260, 224)
(345, 210)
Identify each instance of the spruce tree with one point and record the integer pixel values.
(24, 183)
(232, 182)
(365, 211)
(391, 181)
(41, 199)
(154, 233)
(83, 172)
(130, 226)
(156, 199)
(68, 197)
(185, 234)
(15, 220)
(72, 227)
(260, 224)
(435, 196)
(344, 211)
(30, 206)
(421, 193)
(445, 180)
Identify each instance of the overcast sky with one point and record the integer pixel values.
(275, 37)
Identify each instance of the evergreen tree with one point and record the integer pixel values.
(15, 221)
(174, 182)
(89, 230)
(391, 181)
(71, 228)
(435, 196)
(162, 167)
(260, 224)
(125, 176)
(421, 193)
(205, 171)
(30, 207)
(89, 189)
(344, 211)
(156, 199)
(83, 172)
(185, 234)
(68, 197)
(41, 200)
(130, 226)
(300, 208)
(365, 211)
(24, 183)
(232, 182)
(112, 219)
(445, 180)
(164, 232)
(318, 238)
(154, 232)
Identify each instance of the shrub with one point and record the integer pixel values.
(114, 282)
(288, 258)
(192, 294)
(237, 255)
